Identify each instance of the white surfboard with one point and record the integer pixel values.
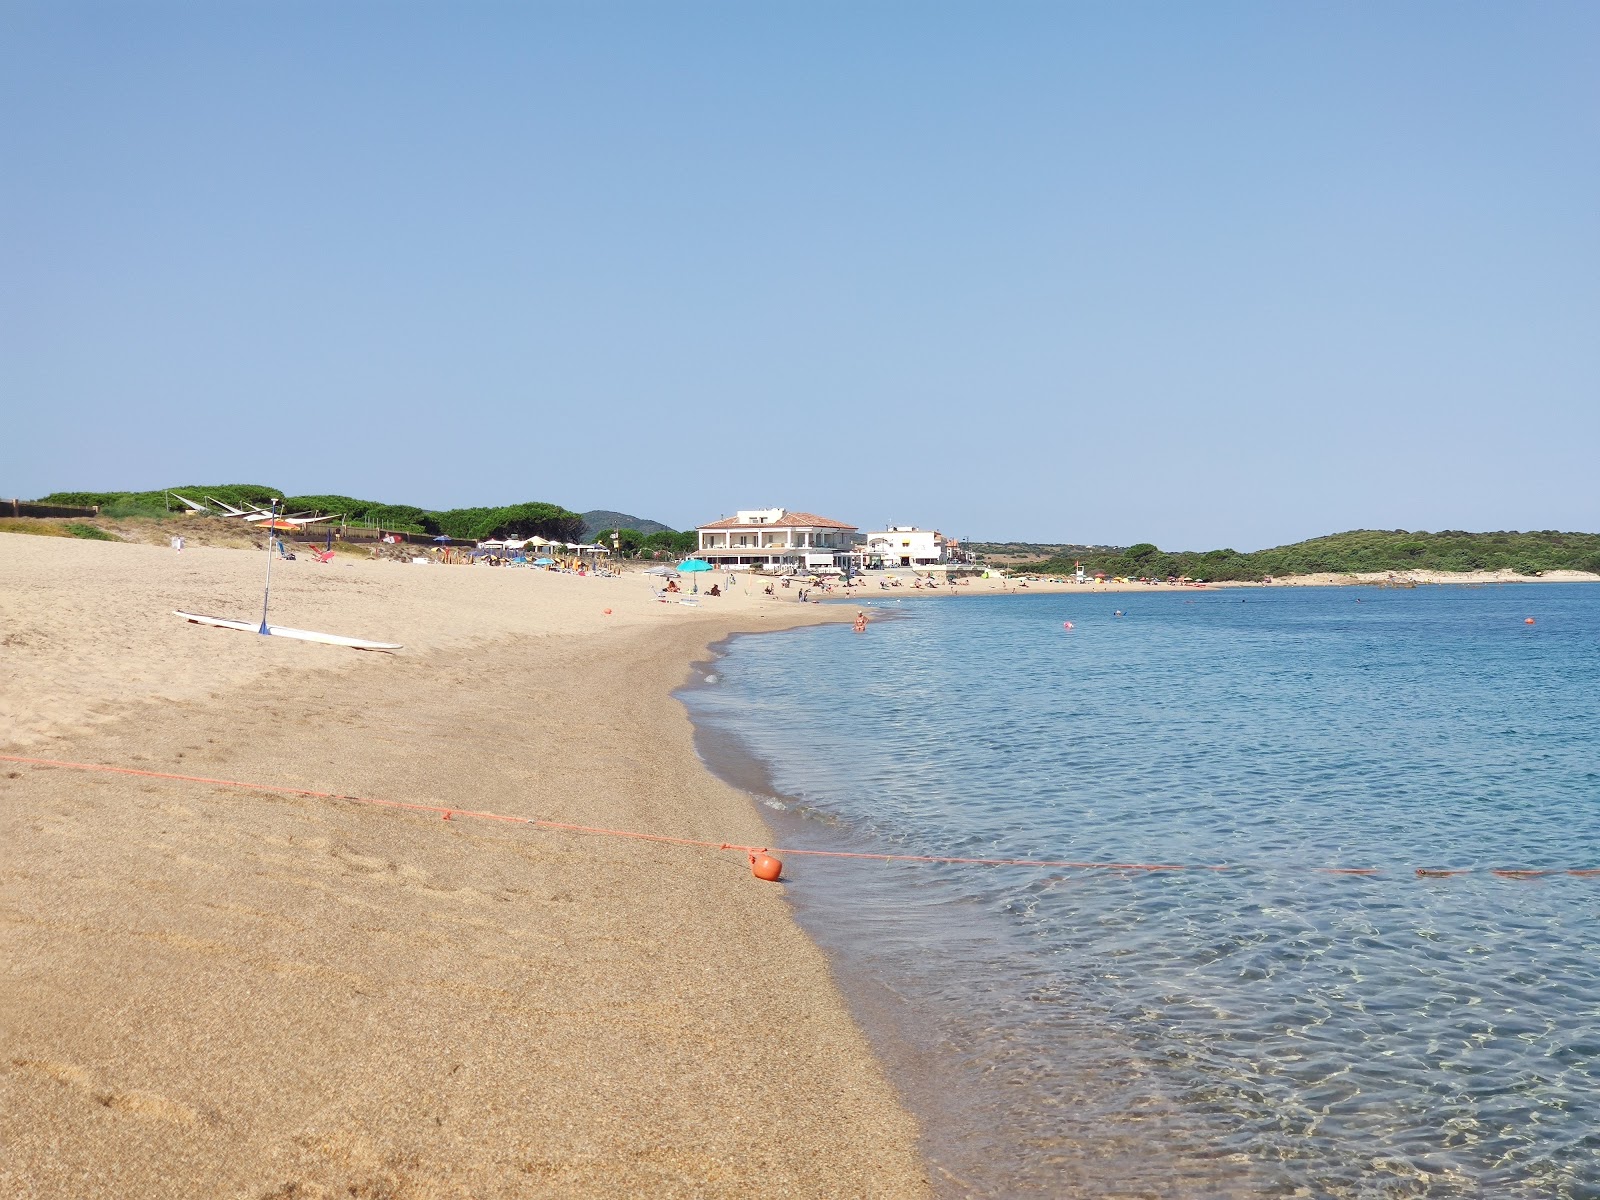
(304, 635)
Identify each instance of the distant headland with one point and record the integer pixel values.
(1358, 552)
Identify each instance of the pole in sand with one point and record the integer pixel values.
(272, 521)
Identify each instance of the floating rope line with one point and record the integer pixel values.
(450, 814)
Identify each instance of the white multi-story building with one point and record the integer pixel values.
(906, 546)
(776, 537)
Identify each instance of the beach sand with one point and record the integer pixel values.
(216, 992)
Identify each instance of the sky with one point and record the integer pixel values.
(1201, 274)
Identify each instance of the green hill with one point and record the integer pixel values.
(1358, 551)
(597, 519)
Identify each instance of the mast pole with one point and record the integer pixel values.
(272, 521)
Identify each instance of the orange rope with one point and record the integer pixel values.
(567, 827)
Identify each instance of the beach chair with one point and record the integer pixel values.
(322, 556)
(282, 551)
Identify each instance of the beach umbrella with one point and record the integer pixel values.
(693, 566)
(443, 537)
(544, 562)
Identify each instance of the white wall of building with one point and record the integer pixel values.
(906, 546)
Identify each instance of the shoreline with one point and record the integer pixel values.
(905, 1042)
(218, 991)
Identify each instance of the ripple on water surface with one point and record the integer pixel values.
(1268, 1029)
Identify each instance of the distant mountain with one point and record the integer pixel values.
(594, 522)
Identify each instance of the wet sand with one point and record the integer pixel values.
(216, 992)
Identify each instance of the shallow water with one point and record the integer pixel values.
(1268, 1029)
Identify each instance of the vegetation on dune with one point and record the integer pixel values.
(34, 525)
(46, 527)
(1357, 552)
(461, 524)
(93, 532)
(406, 517)
(157, 503)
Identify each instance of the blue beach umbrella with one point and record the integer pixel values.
(544, 562)
(443, 537)
(691, 566)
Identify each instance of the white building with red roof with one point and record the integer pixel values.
(776, 537)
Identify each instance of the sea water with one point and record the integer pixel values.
(1269, 1029)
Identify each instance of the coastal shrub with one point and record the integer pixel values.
(136, 506)
(95, 534)
(400, 517)
(240, 495)
(629, 541)
(672, 543)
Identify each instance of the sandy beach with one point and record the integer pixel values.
(216, 992)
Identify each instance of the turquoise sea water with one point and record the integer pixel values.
(1266, 1030)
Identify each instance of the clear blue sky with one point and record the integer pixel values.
(1195, 273)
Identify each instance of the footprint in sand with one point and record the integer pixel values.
(149, 1104)
(144, 1104)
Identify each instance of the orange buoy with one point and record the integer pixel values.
(1527, 620)
(764, 866)
(1066, 624)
